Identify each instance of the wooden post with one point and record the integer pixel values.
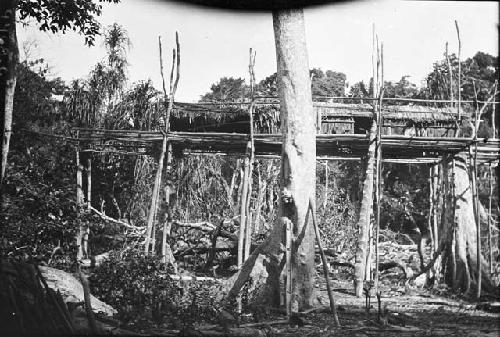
(248, 227)
(288, 261)
(431, 208)
(243, 210)
(79, 203)
(325, 194)
(450, 75)
(475, 201)
(459, 70)
(378, 166)
(89, 179)
(333, 307)
(174, 81)
(493, 118)
(79, 180)
(166, 252)
(150, 230)
(454, 232)
(435, 186)
(490, 198)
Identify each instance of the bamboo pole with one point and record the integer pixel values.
(333, 307)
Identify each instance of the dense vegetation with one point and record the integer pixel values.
(40, 216)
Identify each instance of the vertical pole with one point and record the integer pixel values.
(490, 198)
(325, 194)
(248, 227)
(476, 214)
(288, 279)
(79, 201)
(493, 118)
(454, 231)
(243, 203)
(89, 179)
(459, 69)
(333, 307)
(435, 186)
(431, 208)
(167, 222)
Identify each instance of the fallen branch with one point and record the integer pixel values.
(207, 227)
(203, 225)
(431, 263)
(118, 222)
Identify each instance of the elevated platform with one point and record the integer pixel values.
(328, 146)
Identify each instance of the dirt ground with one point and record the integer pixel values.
(411, 311)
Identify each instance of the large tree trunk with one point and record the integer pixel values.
(298, 157)
(365, 213)
(298, 167)
(8, 62)
(459, 231)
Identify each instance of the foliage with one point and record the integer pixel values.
(40, 213)
(359, 89)
(329, 83)
(227, 89)
(55, 16)
(405, 198)
(89, 101)
(139, 288)
(33, 100)
(403, 88)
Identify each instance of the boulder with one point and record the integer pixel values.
(71, 289)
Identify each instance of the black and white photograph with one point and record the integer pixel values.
(249, 168)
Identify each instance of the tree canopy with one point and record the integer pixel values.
(59, 16)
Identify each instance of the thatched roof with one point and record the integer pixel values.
(233, 117)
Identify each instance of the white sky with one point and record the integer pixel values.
(215, 43)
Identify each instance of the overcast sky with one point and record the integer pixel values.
(215, 43)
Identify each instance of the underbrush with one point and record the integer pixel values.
(144, 294)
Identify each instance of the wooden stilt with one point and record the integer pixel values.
(435, 189)
(166, 251)
(325, 194)
(475, 202)
(454, 232)
(490, 198)
(431, 207)
(248, 227)
(89, 179)
(243, 203)
(288, 262)
(79, 202)
(150, 230)
(333, 307)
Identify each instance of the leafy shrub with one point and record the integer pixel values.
(142, 292)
